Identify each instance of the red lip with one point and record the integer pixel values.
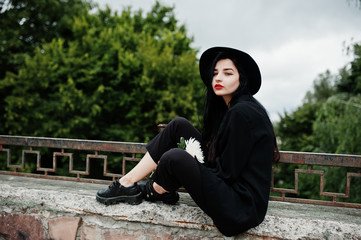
(218, 86)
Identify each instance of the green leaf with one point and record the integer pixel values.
(182, 143)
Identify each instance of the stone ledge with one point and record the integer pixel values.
(55, 203)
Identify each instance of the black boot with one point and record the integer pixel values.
(117, 193)
(149, 194)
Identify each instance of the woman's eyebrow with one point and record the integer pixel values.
(224, 69)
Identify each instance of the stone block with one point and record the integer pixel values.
(90, 232)
(63, 227)
(16, 226)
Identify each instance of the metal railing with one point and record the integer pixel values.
(61, 148)
(318, 159)
(131, 152)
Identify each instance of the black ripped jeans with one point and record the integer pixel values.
(176, 167)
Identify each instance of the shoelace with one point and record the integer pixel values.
(114, 184)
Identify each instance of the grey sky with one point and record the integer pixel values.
(291, 40)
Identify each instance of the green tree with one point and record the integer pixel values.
(115, 78)
(351, 83)
(25, 25)
(323, 88)
(325, 106)
(295, 129)
(328, 121)
(337, 128)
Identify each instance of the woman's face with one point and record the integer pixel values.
(225, 79)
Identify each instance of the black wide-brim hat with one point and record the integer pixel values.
(249, 66)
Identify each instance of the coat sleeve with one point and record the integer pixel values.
(234, 147)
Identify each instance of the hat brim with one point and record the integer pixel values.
(248, 64)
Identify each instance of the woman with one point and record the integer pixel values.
(231, 182)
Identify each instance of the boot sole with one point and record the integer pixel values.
(133, 200)
(172, 201)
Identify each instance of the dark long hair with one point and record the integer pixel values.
(216, 108)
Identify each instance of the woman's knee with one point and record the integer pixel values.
(181, 127)
(172, 155)
(176, 158)
(180, 121)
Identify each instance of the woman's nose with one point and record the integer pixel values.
(217, 78)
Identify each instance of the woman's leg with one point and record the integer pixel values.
(178, 168)
(126, 188)
(139, 172)
(170, 137)
(164, 141)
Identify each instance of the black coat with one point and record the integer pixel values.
(236, 190)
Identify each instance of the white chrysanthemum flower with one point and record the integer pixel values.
(193, 147)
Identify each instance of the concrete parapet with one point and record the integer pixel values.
(52, 209)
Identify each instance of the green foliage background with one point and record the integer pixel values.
(329, 121)
(96, 75)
